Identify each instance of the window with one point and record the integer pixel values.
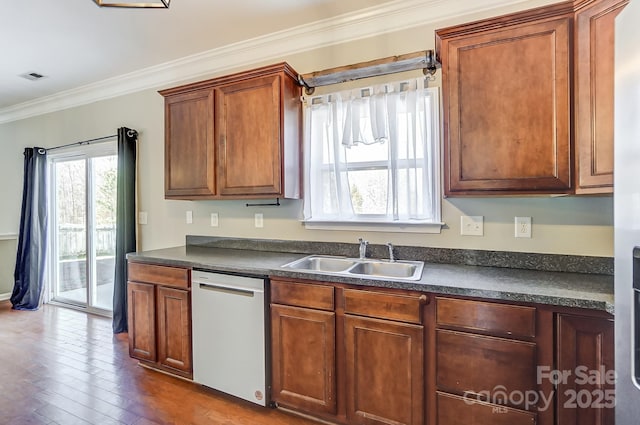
(371, 156)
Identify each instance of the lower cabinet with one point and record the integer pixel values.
(174, 328)
(384, 371)
(498, 363)
(303, 350)
(456, 410)
(142, 321)
(159, 317)
(303, 347)
(585, 359)
(346, 355)
(375, 356)
(485, 353)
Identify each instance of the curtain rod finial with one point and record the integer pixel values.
(307, 89)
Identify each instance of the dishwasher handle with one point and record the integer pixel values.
(228, 289)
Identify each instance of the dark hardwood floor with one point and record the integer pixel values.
(60, 366)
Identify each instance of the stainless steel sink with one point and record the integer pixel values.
(369, 268)
(387, 269)
(322, 264)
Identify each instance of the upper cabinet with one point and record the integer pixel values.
(189, 152)
(237, 136)
(593, 59)
(528, 101)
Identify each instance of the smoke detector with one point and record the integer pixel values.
(33, 76)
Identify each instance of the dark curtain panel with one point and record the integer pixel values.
(32, 241)
(125, 223)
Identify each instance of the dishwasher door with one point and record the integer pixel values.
(228, 324)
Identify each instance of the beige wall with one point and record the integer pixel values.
(566, 225)
(7, 263)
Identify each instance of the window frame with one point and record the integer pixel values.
(381, 222)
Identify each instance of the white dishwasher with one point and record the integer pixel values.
(228, 325)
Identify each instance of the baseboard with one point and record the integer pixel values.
(6, 296)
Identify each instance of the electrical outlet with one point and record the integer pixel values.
(142, 217)
(472, 225)
(189, 217)
(259, 220)
(214, 219)
(523, 227)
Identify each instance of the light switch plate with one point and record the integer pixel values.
(259, 220)
(472, 225)
(189, 217)
(142, 217)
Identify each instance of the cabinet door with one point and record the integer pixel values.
(594, 77)
(507, 108)
(142, 321)
(585, 349)
(303, 356)
(174, 328)
(384, 372)
(248, 121)
(189, 145)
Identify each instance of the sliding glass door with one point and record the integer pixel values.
(83, 226)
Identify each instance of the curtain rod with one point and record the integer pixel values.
(424, 59)
(130, 133)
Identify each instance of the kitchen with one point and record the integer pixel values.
(571, 225)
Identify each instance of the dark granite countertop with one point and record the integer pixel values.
(584, 290)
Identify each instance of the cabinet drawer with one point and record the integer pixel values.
(504, 319)
(384, 306)
(302, 295)
(455, 410)
(474, 363)
(161, 275)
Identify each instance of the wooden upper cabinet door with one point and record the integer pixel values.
(174, 328)
(594, 79)
(142, 321)
(189, 145)
(506, 106)
(248, 120)
(303, 358)
(384, 372)
(585, 350)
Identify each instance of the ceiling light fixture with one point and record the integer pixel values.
(139, 4)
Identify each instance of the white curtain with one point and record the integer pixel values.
(371, 154)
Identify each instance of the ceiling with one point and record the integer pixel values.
(76, 44)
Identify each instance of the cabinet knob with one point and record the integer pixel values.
(424, 300)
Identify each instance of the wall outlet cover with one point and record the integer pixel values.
(189, 217)
(214, 220)
(523, 227)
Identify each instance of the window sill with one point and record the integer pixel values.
(372, 226)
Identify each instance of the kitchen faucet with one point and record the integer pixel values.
(363, 248)
(392, 258)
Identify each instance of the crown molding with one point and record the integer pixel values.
(389, 17)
